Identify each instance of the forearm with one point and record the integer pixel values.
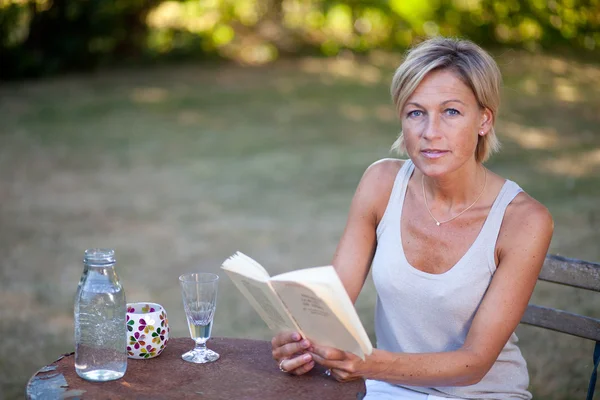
(457, 368)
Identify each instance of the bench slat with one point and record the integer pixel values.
(562, 321)
(568, 271)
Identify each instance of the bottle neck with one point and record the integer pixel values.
(106, 269)
(99, 262)
(100, 276)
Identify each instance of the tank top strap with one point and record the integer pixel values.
(393, 209)
(491, 228)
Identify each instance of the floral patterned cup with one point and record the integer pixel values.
(147, 330)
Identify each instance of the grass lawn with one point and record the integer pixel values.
(178, 167)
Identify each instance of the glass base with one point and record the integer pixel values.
(200, 356)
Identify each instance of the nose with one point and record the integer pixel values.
(432, 127)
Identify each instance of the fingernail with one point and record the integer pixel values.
(305, 344)
(306, 357)
(295, 336)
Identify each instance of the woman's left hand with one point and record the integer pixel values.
(344, 366)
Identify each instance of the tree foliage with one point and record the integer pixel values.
(40, 37)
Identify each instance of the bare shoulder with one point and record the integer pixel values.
(527, 222)
(526, 211)
(383, 172)
(376, 185)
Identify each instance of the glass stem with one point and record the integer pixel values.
(200, 347)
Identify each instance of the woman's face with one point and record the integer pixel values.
(441, 122)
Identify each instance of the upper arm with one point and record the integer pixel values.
(356, 248)
(522, 243)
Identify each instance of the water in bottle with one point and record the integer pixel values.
(100, 312)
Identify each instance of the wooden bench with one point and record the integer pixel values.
(578, 274)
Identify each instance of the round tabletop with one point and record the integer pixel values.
(245, 370)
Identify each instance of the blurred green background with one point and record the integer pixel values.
(178, 132)
(41, 37)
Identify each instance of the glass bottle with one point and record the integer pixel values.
(100, 311)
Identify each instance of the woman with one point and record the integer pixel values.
(455, 249)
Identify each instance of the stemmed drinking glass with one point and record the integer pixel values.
(199, 292)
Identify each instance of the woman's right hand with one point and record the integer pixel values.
(290, 352)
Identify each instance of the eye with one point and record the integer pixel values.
(452, 111)
(414, 114)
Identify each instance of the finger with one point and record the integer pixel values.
(335, 374)
(342, 376)
(329, 353)
(325, 361)
(292, 364)
(284, 338)
(291, 349)
(304, 369)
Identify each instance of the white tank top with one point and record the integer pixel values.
(420, 312)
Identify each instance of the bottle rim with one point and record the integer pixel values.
(99, 256)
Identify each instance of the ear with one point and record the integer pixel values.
(487, 122)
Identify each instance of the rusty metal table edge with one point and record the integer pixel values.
(46, 384)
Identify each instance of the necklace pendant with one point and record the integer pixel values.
(437, 223)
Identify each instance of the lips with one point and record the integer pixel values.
(434, 153)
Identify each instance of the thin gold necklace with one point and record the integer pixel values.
(438, 223)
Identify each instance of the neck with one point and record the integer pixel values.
(456, 189)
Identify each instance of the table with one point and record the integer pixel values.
(244, 371)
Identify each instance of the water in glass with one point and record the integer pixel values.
(200, 318)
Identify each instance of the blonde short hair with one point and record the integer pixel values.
(473, 65)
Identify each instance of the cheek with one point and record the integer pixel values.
(410, 138)
(410, 129)
(468, 141)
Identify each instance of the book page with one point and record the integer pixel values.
(315, 318)
(325, 283)
(244, 265)
(265, 302)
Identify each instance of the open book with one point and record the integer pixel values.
(311, 301)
